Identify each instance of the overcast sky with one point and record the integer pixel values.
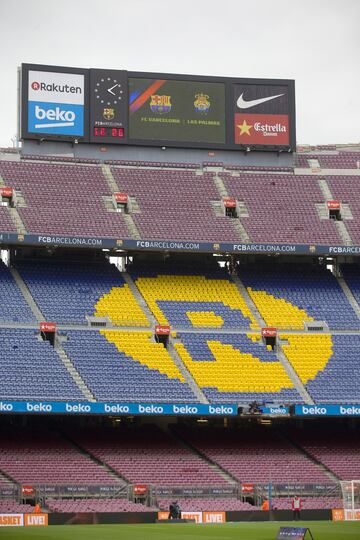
(315, 42)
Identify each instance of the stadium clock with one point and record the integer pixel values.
(108, 106)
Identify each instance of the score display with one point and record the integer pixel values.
(117, 133)
(150, 109)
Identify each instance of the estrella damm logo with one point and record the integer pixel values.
(202, 103)
(160, 104)
(109, 114)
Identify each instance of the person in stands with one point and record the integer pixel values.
(37, 508)
(265, 505)
(296, 507)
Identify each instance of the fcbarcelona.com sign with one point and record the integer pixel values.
(84, 407)
(173, 245)
(327, 410)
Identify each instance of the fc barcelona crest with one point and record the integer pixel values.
(202, 103)
(109, 114)
(160, 104)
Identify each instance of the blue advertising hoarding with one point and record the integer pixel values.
(327, 410)
(45, 239)
(85, 407)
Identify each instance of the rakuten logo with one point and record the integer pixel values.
(56, 116)
(62, 88)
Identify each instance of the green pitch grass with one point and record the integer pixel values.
(321, 530)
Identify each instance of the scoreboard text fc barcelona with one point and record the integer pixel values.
(152, 109)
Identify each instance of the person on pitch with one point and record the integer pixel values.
(296, 507)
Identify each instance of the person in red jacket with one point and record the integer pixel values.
(37, 509)
(296, 507)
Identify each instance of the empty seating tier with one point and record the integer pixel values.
(148, 456)
(40, 456)
(282, 208)
(126, 366)
(251, 455)
(235, 368)
(32, 369)
(63, 199)
(175, 204)
(13, 308)
(67, 292)
(328, 366)
(188, 301)
(303, 292)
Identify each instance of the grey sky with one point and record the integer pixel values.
(315, 42)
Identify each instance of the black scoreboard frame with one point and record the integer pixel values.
(88, 137)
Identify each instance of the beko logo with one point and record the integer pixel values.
(52, 87)
(57, 117)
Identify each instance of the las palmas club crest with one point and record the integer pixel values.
(202, 103)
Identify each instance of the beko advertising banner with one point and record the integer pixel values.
(54, 102)
(85, 407)
(328, 410)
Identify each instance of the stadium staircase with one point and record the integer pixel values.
(6, 480)
(248, 300)
(17, 221)
(184, 371)
(109, 178)
(27, 295)
(293, 376)
(58, 347)
(340, 225)
(13, 212)
(323, 468)
(109, 470)
(140, 299)
(130, 223)
(279, 352)
(74, 373)
(236, 223)
(349, 295)
(228, 477)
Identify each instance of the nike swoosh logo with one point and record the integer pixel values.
(242, 104)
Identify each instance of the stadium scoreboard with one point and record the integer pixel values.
(152, 109)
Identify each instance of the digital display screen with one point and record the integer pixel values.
(108, 106)
(108, 132)
(171, 110)
(261, 114)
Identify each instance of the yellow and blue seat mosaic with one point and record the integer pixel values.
(226, 366)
